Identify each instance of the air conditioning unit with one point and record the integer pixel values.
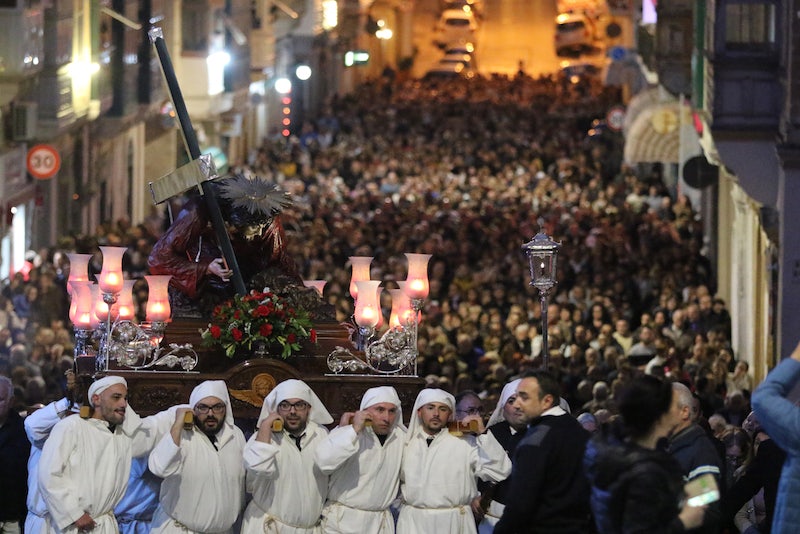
(23, 121)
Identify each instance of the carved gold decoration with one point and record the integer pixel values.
(260, 387)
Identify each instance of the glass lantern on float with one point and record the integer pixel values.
(542, 253)
(394, 352)
(105, 311)
(318, 285)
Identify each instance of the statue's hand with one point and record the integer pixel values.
(219, 268)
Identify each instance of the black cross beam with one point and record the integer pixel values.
(193, 147)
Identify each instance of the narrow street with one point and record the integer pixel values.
(511, 34)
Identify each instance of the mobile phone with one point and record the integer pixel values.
(702, 490)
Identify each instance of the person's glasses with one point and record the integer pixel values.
(204, 409)
(299, 406)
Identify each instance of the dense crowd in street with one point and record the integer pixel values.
(468, 171)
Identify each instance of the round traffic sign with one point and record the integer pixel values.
(618, 53)
(43, 161)
(615, 118)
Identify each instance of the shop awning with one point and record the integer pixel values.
(654, 129)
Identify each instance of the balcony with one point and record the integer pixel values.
(743, 75)
(747, 93)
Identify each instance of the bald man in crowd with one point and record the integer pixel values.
(288, 489)
(201, 467)
(439, 470)
(362, 457)
(85, 463)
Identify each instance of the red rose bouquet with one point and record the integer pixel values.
(256, 320)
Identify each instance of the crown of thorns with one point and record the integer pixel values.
(251, 200)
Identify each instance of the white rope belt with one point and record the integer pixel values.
(187, 529)
(461, 508)
(379, 510)
(272, 524)
(383, 512)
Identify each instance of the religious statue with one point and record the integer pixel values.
(189, 251)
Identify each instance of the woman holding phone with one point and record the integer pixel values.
(636, 485)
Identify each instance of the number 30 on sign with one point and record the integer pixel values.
(43, 161)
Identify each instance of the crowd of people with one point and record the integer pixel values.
(532, 467)
(468, 171)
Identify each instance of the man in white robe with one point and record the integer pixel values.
(140, 490)
(363, 462)
(508, 425)
(38, 426)
(288, 488)
(203, 477)
(85, 463)
(439, 470)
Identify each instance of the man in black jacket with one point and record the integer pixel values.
(549, 492)
(694, 450)
(14, 451)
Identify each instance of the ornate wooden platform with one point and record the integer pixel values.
(249, 380)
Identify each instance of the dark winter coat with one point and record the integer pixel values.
(698, 456)
(634, 490)
(14, 451)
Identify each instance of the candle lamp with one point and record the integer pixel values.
(394, 352)
(106, 309)
(361, 265)
(78, 269)
(417, 285)
(319, 285)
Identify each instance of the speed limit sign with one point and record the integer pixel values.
(615, 118)
(43, 161)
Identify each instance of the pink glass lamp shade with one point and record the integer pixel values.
(381, 318)
(101, 310)
(402, 313)
(417, 285)
(125, 308)
(158, 308)
(360, 272)
(368, 309)
(110, 278)
(96, 296)
(81, 311)
(319, 285)
(78, 269)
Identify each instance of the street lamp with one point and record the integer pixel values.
(383, 34)
(542, 255)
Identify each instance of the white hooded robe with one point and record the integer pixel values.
(438, 482)
(365, 475)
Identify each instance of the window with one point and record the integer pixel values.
(195, 26)
(750, 26)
